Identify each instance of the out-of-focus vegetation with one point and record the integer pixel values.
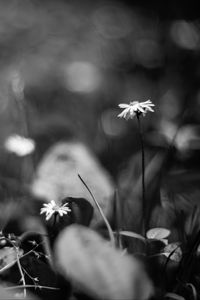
(75, 61)
(64, 68)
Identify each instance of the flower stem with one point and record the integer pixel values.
(21, 272)
(144, 225)
(16, 248)
(55, 217)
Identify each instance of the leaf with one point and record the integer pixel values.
(110, 232)
(8, 257)
(81, 210)
(174, 296)
(4, 295)
(98, 269)
(173, 252)
(165, 241)
(8, 295)
(11, 293)
(158, 233)
(133, 235)
(194, 291)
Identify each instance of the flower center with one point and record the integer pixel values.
(56, 208)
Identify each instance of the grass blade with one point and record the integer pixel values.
(110, 232)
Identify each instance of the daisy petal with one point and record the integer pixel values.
(123, 105)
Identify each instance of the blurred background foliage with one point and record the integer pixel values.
(75, 61)
(66, 65)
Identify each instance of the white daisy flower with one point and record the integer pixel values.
(19, 145)
(134, 108)
(51, 208)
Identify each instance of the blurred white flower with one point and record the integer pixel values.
(135, 108)
(19, 145)
(51, 208)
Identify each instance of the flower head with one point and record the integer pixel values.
(51, 208)
(135, 108)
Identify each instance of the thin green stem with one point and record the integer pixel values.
(44, 236)
(20, 270)
(144, 225)
(19, 265)
(55, 218)
(32, 278)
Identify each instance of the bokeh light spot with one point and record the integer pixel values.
(169, 104)
(82, 77)
(112, 125)
(185, 35)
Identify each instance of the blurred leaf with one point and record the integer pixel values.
(193, 222)
(57, 177)
(194, 291)
(81, 210)
(8, 257)
(99, 269)
(165, 241)
(110, 232)
(4, 295)
(173, 252)
(158, 233)
(179, 209)
(174, 296)
(8, 295)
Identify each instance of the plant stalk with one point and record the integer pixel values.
(144, 225)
